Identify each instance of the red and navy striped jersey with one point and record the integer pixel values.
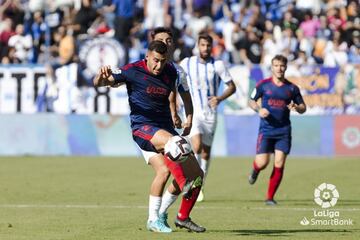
(148, 94)
(275, 99)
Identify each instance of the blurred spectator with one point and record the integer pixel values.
(305, 44)
(84, 18)
(334, 20)
(38, 29)
(250, 48)
(304, 63)
(197, 23)
(108, 13)
(5, 33)
(154, 13)
(267, 27)
(354, 53)
(313, 5)
(289, 21)
(10, 58)
(21, 44)
(335, 52)
(14, 10)
(124, 17)
(310, 25)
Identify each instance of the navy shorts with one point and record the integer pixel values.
(267, 144)
(143, 134)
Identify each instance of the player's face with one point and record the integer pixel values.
(165, 38)
(155, 62)
(278, 69)
(204, 48)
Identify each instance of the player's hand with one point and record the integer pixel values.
(187, 128)
(263, 112)
(177, 121)
(292, 106)
(213, 102)
(105, 72)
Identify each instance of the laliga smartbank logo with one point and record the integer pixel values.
(326, 196)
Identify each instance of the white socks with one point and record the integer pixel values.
(167, 200)
(154, 206)
(204, 165)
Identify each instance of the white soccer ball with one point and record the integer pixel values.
(177, 149)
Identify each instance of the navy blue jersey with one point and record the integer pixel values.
(275, 99)
(148, 94)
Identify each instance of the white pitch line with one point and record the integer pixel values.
(305, 209)
(83, 206)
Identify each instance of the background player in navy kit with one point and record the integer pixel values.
(149, 83)
(278, 96)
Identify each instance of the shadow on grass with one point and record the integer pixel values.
(283, 233)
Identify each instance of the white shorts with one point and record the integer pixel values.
(205, 126)
(147, 154)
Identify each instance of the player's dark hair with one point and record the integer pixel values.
(161, 30)
(206, 37)
(280, 58)
(158, 46)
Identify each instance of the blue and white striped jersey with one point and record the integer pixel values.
(204, 80)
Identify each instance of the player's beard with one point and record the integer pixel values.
(204, 55)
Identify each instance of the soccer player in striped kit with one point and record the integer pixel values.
(204, 75)
(278, 96)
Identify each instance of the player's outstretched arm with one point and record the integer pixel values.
(104, 77)
(189, 110)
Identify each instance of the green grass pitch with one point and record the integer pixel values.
(53, 198)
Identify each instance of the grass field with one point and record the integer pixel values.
(106, 198)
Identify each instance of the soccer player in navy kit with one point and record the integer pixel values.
(150, 82)
(278, 96)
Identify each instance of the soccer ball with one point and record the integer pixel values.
(177, 149)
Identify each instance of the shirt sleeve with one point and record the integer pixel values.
(181, 80)
(257, 92)
(119, 75)
(222, 71)
(298, 99)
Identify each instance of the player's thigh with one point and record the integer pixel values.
(160, 138)
(283, 144)
(196, 128)
(209, 128)
(265, 144)
(152, 138)
(196, 143)
(282, 149)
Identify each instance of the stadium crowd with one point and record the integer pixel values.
(245, 32)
